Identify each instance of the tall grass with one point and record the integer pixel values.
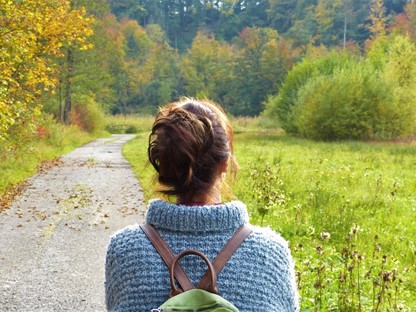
(244, 124)
(348, 210)
(128, 123)
(22, 153)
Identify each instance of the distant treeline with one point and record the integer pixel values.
(304, 22)
(130, 56)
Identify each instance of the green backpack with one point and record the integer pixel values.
(205, 297)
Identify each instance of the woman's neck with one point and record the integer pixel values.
(212, 198)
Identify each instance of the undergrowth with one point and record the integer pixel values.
(24, 151)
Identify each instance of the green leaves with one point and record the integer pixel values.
(340, 97)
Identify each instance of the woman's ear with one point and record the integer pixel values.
(223, 166)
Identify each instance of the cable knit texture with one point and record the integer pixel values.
(258, 277)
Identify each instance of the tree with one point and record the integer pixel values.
(405, 23)
(261, 64)
(32, 34)
(377, 26)
(201, 67)
(148, 76)
(162, 83)
(96, 70)
(70, 50)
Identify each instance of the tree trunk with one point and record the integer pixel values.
(68, 85)
(61, 111)
(345, 32)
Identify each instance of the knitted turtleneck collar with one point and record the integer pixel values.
(183, 218)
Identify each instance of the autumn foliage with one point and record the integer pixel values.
(32, 36)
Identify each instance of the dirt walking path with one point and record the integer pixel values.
(54, 237)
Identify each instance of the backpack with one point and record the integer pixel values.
(206, 296)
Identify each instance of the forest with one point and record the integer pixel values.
(80, 59)
(70, 58)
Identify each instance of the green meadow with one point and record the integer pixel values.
(348, 210)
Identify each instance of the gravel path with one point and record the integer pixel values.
(54, 237)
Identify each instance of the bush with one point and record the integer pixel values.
(280, 106)
(338, 97)
(343, 105)
(87, 115)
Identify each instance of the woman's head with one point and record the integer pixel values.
(189, 146)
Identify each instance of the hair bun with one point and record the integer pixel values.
(188, 142)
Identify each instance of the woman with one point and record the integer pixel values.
(191, 148)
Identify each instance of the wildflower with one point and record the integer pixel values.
(319, 250)
(311, 230)
(354, 229)
(325, 235)
(345, 252)
(342, 277)
(387, 276)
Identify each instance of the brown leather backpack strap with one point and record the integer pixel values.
(167, 255)
(225, 254)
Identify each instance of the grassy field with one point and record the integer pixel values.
(128, 123)
(348, 210)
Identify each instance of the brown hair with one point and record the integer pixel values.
(188, 142)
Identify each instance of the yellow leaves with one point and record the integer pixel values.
(31, 33)
(377, 19)
(86, 46)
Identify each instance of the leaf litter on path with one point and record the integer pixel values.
(54, 235)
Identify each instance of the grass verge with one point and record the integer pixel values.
(23, 156)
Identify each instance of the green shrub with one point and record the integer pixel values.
(339, 97)
(87, 115)
(399, 72)
(342, 105)
(280, 106)
(131, 129)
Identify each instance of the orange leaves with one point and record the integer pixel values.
(377, 18)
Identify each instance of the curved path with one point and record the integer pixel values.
(54, 236)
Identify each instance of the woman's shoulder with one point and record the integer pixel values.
(127, 237)
(128, 231)
(266, 235)
(266, 242)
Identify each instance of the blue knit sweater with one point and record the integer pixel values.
(258, 277)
